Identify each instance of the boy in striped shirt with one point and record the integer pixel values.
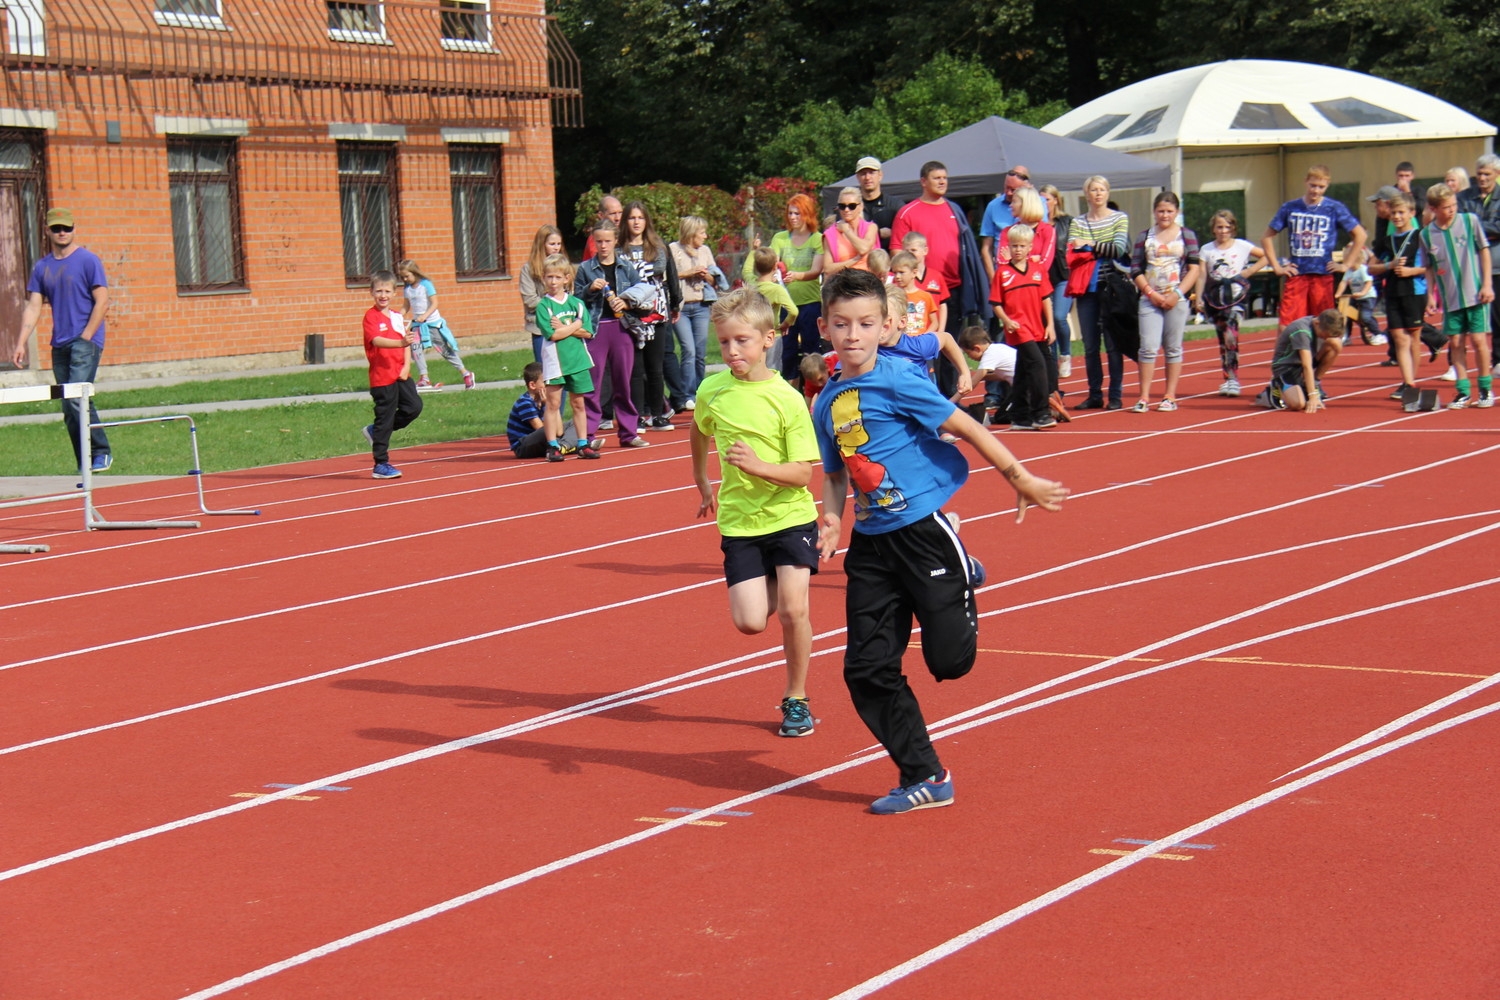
(1459, 282)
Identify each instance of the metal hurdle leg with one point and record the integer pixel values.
(95, 522)
(37, 393)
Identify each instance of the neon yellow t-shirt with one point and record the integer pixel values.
(771, 417)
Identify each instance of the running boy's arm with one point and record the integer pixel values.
(1029, 489)
(743, 457)
(949, 348)
(1487, 289)
(708, 504)
(835, 498)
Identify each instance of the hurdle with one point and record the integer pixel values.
(93, 520)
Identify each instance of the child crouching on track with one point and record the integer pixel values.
(524, 428)
(760, 428)
(566, 325)
(386, 346)
(1305, 351)
(877, 428)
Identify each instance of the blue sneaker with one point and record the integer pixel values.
(102, 462)
(796, 718)
(386, 470)
(369, 432)
(929, 794)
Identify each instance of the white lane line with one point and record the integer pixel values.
(399, 588)
(905, 969)
(1188, 833)
(315, 553)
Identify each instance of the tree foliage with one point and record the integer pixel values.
(709, 91)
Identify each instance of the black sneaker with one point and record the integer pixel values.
(796, 718)
(661, 424)
(1401, 390)
(554, 454)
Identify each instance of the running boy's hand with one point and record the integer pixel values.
(708, 504)
(743, 457)
(828, 536)
(1030, 489)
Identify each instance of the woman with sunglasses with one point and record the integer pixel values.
(848, 242)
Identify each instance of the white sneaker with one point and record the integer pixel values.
(1065, 368)
(1231, 387)
(1379, 340)
(690, 405)
(606, 425)
(1451, 375)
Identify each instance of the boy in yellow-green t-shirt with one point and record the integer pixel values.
(760, 427)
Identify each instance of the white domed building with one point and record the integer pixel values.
(1241, 134)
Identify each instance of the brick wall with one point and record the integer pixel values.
(289, 209)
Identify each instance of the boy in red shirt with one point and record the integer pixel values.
(1022, 297)
(396, 401)
(916, 245)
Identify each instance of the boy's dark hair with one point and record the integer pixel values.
(383, 278)
(765, 260)
(532, 372)
(1405, 167)
(1330, 321)
(932, 165)
(852, 283)
(973, 336)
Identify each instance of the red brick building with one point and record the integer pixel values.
(242, 166)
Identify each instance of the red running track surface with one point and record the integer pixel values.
(486, 731)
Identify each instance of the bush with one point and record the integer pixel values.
(668, 203)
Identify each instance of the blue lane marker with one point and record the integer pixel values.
(327, 788)
(1191, 847)
(685, 809)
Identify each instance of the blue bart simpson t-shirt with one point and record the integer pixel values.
(882, 427)
(1313, 231)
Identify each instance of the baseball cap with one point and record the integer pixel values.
(59, 217)
(1387, 193)
(867, 163)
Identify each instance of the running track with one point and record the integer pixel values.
(487, 732)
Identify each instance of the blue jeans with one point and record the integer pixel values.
(1061, 306)
(78, 361)
(685, 371)
(1094, 335)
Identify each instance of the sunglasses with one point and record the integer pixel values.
(1017, 173)
(848, 208)
(61, 229)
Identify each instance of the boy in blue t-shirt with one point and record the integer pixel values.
(524, 428)
(1312, 223)
(878, 428)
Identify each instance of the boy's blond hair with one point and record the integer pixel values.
(1319, 171)
(878, 262)
(814, 367)
(896, 301)
(1439, 193)
(746, 305)
(559, 263)
(904, 258)
(913, 239)
(1020, 231)
(765, 260)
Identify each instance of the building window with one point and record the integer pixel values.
(367, 208)
(356, 22)
(189, 14)
(1096, 129)
(204, 189)
(1257, 117)
(1144, 125)
(1351, 112)
(466, 25)
(478, 230)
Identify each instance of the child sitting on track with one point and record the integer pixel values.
(524, 428)
(386, 347)
(1305, 350)
(767, 517)
(878, 427)
(997, 368)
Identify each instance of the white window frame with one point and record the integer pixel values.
(358, 35)
(481, 8)
(184, 19)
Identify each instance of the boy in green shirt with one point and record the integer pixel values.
(766, 515)
(1459, 280)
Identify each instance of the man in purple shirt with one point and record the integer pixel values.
(71, 280)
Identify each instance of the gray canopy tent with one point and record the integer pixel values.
(977, 158)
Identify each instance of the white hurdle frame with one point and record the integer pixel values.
(92, 519)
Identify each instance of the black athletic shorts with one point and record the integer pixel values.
(1404, 312)
(757, 556)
